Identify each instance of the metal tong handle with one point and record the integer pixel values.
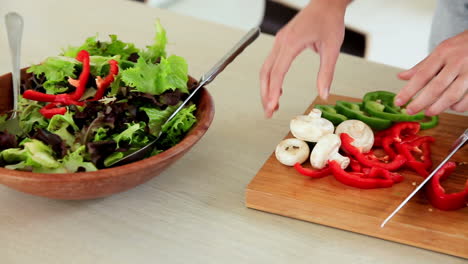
(220, 65)
(459, 143)
(14, 24)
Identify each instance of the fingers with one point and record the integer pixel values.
(451, 96)
(280, 67)
(408, 74)
(328, 56)
(462, 105)
(434, 89)
(424, 74)
(265, 73)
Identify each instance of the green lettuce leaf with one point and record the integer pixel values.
(103, 48)
(59, 125)
(175, 130)
(75, 160)
(134, 135)
(157, 117)
(34, 154)
(112, 158)
(56, 71)
(101, 134)
(100, 64)
(29, 115)
(169, 74)
(158, 49)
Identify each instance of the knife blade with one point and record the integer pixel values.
(459, 143)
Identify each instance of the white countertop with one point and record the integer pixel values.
(193, 212)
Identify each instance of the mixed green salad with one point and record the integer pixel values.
(96, 103)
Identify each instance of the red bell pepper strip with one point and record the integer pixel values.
(356, 179)
(395, 164)
(312, 173)
(355, 165)
(83, 57)
(421, 145)
(387, 146)
(51, 109)
(104, 83)
(379, 136)
(437, 195)
(398, 133)
(402, 129)
(72, 99)
(38, 96)
(64, 99)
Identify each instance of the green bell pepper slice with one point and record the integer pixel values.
(434, 121)
(380, 104)
(355, 111)
(329, 112)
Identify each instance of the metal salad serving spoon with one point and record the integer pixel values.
(14, 24)
(204, 80)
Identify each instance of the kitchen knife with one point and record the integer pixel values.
(460, 142)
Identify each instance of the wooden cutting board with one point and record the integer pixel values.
(281, 190)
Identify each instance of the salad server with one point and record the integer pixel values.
(204, 80)
(459, 143)
(14, 25)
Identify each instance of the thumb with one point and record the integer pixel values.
(328, 56)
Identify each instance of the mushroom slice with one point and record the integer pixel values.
(311, 127)
(292, 150)
(327, 149)
(360, 132)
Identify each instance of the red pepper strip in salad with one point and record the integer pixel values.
(42, 97)
(312, 173)
(356, 180)
(83, 57)
(437, 195)
(102, 84)
(420, 145)
(64, 99)
(51, 109)
(38, 96)
(395, 164)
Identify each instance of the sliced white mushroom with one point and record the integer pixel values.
(359, 131)
(327, 149)
(292, 150)
(311, 127)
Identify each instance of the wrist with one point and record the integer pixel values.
(335, 5)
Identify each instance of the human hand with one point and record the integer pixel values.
(441, 78)
(319, 26)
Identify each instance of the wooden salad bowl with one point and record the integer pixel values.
(104, 182)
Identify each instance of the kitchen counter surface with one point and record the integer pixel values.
(194, 212)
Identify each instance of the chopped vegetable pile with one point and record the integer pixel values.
(96, 103)
(358, 157)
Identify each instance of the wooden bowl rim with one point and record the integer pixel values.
(194, 135)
